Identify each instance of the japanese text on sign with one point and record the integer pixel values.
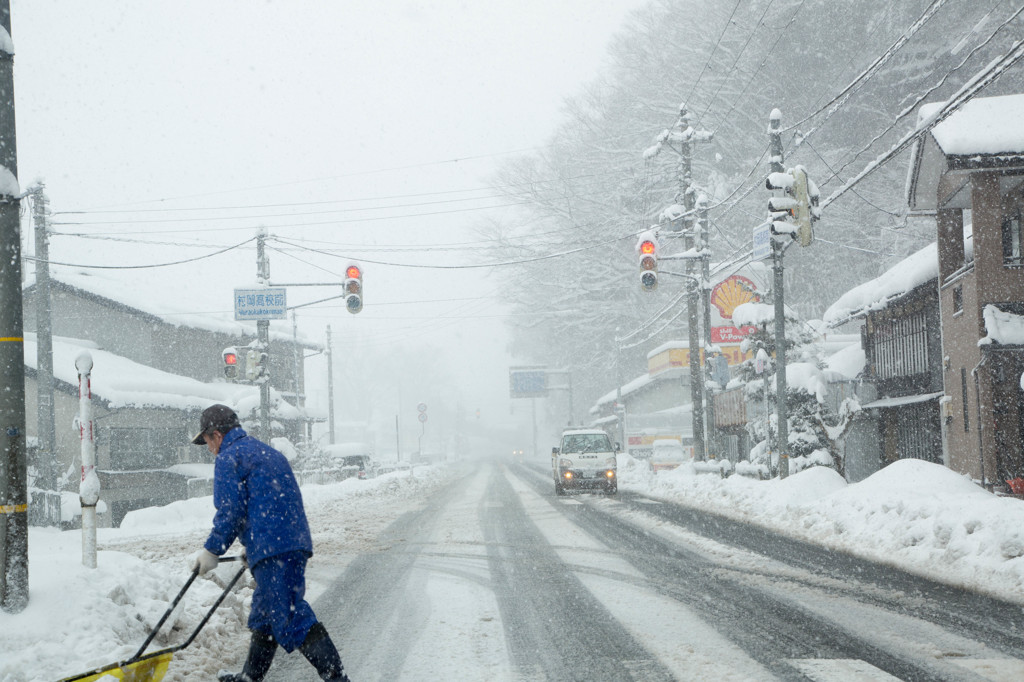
(260, 304)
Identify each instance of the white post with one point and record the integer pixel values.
(89, 487)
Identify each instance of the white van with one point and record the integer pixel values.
(585, 460)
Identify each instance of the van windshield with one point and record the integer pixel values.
(586, 442)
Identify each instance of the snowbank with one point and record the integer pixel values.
(918, 516)
(79, 618)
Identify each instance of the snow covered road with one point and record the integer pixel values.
(478, 571)
(496, 578)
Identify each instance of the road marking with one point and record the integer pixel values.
(840, 670)
(644, 500)
(995, 669)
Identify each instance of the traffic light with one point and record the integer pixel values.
(230, 363)
(647, 247)
(353, 288)
(255, 364)
(795, 213)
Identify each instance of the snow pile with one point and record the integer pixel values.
(1002, 327)
(79, 618)
(918, 516)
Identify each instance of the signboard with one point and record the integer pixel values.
(422, 417)
(673, 358)
(527, 382)
(762, 242)
(422, 407)
(260, 304)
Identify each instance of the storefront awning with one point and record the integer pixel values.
(902, 400)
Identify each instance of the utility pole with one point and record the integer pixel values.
(13, 464)
(263, 337)
(778, 249)
(686, 136)
(330, 388)
(701, 230)
(46, 452)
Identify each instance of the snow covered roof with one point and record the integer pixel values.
(627, 388)
(985, 125)
(186, 304)
(123, 383)
(984, 133)
(1002, 327)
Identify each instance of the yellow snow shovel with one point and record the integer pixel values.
(152, 667)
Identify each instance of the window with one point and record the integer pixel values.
(958, 300)
(1012, 241)
(963, 392)
(586, 442)
(132, 449)
(900, 346)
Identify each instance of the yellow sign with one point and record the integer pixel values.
(672, 358)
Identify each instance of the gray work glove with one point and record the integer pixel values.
(206, 561)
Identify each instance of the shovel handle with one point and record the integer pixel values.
(174, 603)
(215, 605)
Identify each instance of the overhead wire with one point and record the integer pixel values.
(919, 99)
(139, 267)
(872, 68)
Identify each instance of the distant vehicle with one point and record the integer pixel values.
(361, 466)
(585, 460)
(355, 459)
(667, 454)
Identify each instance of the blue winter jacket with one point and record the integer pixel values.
(257, 500)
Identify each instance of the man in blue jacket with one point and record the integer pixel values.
(259, 503)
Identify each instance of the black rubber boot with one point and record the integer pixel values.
(261, 654)
(321, 652)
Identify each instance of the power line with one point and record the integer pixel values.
(872, 68)
(140, 267)
(470, 266)
(980, 81)
(713, 50)
(918, 100)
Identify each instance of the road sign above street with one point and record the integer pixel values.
(527, 382)
(261, 304)
(762, 241)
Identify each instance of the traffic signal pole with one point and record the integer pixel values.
(263, 339)
(778, 249)
(13, 465)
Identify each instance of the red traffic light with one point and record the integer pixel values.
(647, 246)
(230, 359)
(353, 272)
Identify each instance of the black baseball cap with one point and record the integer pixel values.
(216, 418)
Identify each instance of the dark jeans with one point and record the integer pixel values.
(278, 604)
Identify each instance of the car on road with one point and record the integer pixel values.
(585, 460)
(667, 454)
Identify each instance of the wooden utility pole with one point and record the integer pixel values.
(778, 249)
(13, 465)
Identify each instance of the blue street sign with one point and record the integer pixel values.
(261, 304)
